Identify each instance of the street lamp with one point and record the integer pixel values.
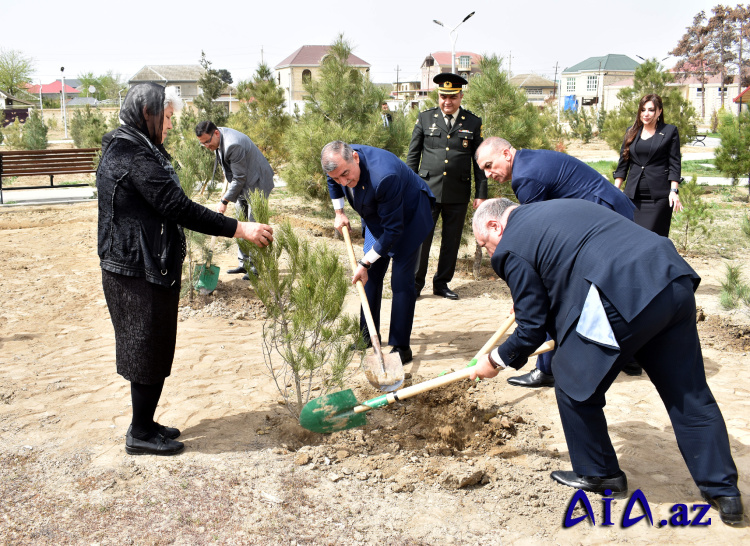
(65, 119)
(454, 38)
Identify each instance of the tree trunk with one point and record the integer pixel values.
(477, 261)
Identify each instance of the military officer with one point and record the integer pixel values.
(445, 139)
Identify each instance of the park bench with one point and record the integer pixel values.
(45, 163)
(698, 139)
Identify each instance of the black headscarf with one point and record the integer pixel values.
(143, 110)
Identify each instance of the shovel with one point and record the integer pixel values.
(341, 411)
(208, 275)
(487, 347)
(384, 372)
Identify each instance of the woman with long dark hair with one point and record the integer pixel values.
(142, 210)
(650, 165)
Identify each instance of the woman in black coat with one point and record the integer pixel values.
(650, 164)
(142, 210)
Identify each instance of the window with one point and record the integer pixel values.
(464, 62)
(306, 75)
(591, 83)
(699, 91)
(570, 85)
(179, 90)
(534, 91)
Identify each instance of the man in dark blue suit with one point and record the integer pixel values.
(396, 205)
(607, 290)
(542, 175)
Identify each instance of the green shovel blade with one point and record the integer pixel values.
(332, 412)
(208, 278)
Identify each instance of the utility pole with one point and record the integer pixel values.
(397, 71)
(65, 117)
(554, 93)
(261, 54)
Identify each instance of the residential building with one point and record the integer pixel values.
(409, 91)
(11, 108)
(185, 78)
(53, 90)
(743, 99)
(303, 65)
(538, 89)
(691, 89)
(467, 65)
(582, 84)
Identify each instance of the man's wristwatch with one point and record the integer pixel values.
(495, 364)
(224, 202)
(364, 264)
(675, 190)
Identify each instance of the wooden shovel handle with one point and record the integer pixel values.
(496, 337)
(435, 383)
(362, 296)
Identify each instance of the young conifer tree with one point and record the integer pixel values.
(733, 154)
(307, 338)
(34, 132)
(211, 86)
(194, 166)
(341, 104)
(263, 115)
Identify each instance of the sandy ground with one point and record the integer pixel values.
(468, 464)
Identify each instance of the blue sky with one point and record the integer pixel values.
(88, 36)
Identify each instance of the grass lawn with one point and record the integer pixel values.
(692, 167)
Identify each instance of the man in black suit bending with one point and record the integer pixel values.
(607, 290)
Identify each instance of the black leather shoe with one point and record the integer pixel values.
(445, 293)
(236, 270)
(158, 445)
(632, 369)
(534, 379)
(617, 484)
(730, 508)
(404, 353)
(170, 432)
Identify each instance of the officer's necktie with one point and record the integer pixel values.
(449, 121)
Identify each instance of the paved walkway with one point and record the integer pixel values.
(46, 196)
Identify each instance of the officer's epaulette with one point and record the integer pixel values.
(469, 111)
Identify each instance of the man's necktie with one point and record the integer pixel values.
(449, 121)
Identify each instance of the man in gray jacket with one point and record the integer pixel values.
(245, 168)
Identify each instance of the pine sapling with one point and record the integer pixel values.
(307, 339)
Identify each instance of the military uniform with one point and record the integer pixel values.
(446, 160)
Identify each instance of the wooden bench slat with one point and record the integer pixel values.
(50, 165)
(45, 163)
(62, 151)
(48, 173)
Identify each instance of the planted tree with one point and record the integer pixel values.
(580, 124)
(13, 133)
(263, 116)
(649, 78)
(734, 292)
(341, 104)
(307, 338)
(87, 127)
(211, 86)
(733, 154)
(694, 218)
(34, 132)
(194, 165)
